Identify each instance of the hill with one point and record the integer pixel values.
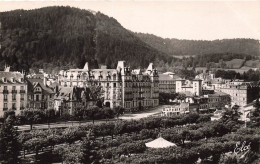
(175, 47)
(60, 37)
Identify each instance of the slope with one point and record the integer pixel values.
(61, 37)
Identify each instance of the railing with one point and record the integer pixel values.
(5, 109)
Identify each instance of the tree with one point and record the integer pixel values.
(92, 111)
(9, 145)
(89, 149)
(33, 116)
(50, 114)
(119, 111)
(108, 113)
(97, 94)
(181, 96)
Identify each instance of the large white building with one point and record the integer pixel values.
(192, 86)
(13, 92)
(132, 89)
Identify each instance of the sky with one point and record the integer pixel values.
(196, 20)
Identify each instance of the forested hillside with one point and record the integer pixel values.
(175, 47)
(63, 37)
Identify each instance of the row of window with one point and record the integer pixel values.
(14, 88)
(13, 106)
(13, 97)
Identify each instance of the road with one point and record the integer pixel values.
(152, 112)
(155, 111)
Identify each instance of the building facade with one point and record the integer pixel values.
(192, 86)
(175, 110)
(67, 99)
(167, 82)
(132, 89)
(40, 96)
(241, 93)
(13, 92)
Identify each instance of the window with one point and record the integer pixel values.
(42, 97)
(14, 106)
(5, 97)
(22, 96)
(22, 106)
(13, 96)
(5, 105)
(5, 87)
(14, 87)
(114, 85)
(107, 84)
(22, 87)
(37, 97)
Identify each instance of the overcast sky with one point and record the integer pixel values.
(205, 20)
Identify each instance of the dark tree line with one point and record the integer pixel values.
(56, 38)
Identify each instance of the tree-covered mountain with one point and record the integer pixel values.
(62, 37)
(175, 47)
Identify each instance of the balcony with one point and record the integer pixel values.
(14, 91)
(22, 91)
(5, 91)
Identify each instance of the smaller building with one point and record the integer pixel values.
(167, 82)
(67, 99)
(175, 110)
(192, 86)
(242, 93)
(217, 115)
(40, 95)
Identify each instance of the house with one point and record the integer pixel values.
(67, 99)
(40, 96)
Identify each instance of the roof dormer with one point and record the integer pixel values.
(12, 80)
(4, 79)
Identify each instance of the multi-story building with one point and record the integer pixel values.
(67, 99)
(132, 89)
(241, 93)
(175, 110)
(13, 91)
(167, 82)
(40, 96)
(192, 86)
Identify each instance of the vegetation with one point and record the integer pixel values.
(9, 144)
(250, 75)
(56, 38)
(175, 47)
(209, 141)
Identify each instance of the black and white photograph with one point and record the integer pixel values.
(129, 82)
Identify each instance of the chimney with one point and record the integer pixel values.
(44, 81)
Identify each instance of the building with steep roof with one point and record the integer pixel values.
(67, 99)
(40, 96)
(122, 86)
(13, 91)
